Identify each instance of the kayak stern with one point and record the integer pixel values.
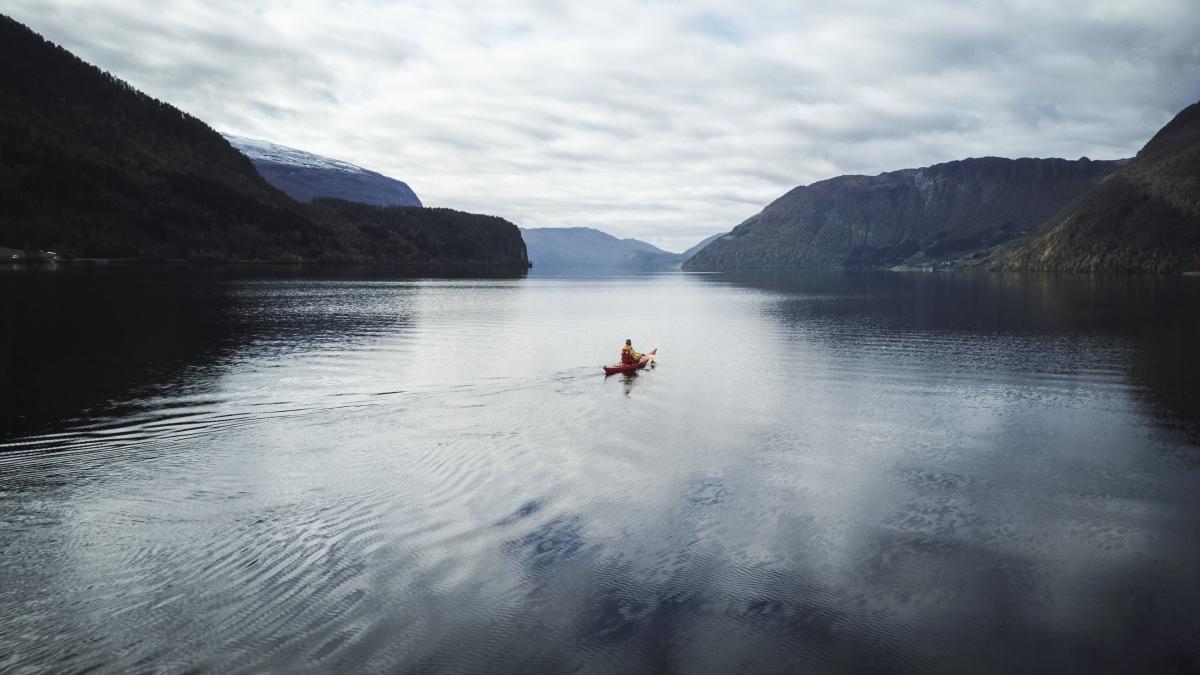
(628, 367)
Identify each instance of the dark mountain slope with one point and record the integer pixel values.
(1145, 217)
(305, 176)
(943, 212)
(93, 168)
(413, 233)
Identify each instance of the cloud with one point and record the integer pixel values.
(656, 119)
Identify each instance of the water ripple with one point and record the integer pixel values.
(433, 476)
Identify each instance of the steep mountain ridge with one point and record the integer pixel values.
(94, 168)
(304, 176)
(927, 216)
(1145, 217)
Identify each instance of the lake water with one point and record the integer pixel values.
(852, 472)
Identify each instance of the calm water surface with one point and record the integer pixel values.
(828, 472)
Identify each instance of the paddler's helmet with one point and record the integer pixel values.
(629, 342)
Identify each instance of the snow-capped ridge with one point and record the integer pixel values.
(305, 176)
(256, 148)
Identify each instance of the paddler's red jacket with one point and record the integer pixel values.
(628, 356)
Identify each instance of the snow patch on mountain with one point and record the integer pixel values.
(257, 149)
(305, 176)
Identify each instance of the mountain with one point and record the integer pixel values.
(687, 255)
(305, 176)
(588, 249)
(1145, 217)
(937, 215)
(94, 168)
(428, 234)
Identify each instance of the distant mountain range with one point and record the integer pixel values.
(936, 215)
(588, 249)
(94, 168)
(1139, 215)
(305, 176)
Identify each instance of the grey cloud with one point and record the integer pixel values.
(661, 120)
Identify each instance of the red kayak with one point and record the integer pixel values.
(626, 367)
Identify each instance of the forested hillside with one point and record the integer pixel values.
(942, 215)
(92, 167)
(1145, 217)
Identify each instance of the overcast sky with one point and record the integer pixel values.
(658, 119)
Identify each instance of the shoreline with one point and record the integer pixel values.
(269, 268)
(185, 262)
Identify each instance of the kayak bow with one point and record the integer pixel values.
(627, 367)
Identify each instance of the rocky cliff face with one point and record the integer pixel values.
(955, 211)
(1145, 217)
(305, 176)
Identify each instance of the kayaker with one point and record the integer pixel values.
(628, 355)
